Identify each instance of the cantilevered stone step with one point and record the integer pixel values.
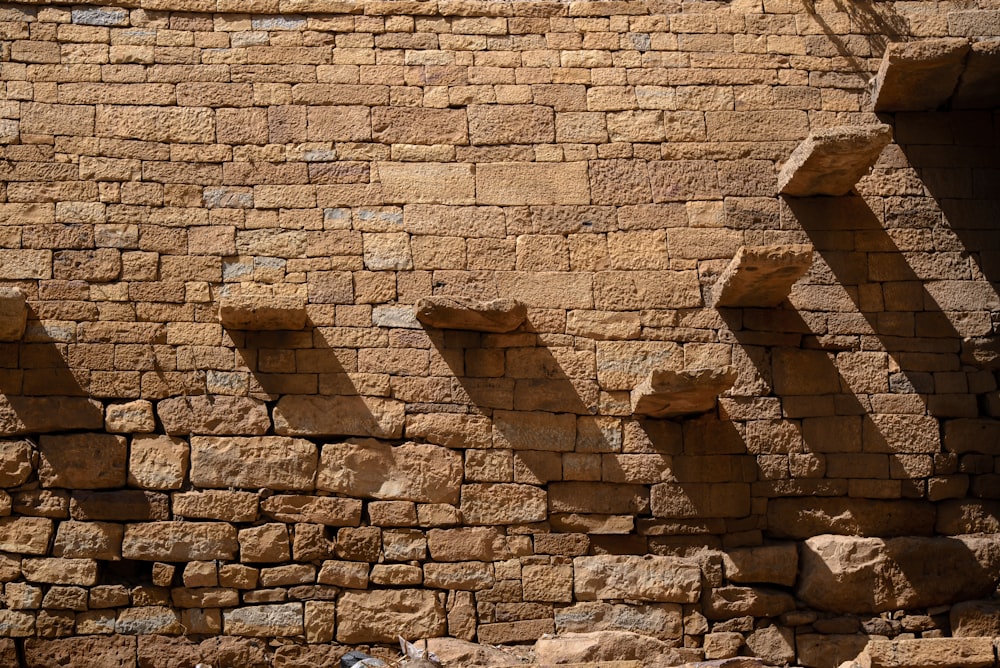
(761, 276)
(668, 393)
(978, 89)
(499, 315)
(831, 161)
(919, 76)
(260, 308)
(13, 314)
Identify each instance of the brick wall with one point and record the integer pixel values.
(325, 468)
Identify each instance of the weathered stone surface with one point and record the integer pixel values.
(455, 652)
(830, 161)
(119, 505)
(919, 75)
(216, 505)
(975, 88)
(761, 276)
(15, 462)
(699, 500)
(267, 543)
(600, 646)
(928, 653)
(25, 535)
(427, 183)
(802, 518)
(130, 418)
(668, 393)
(465, 543)
(114, 651)
(60, 571)
(777, 564)
(376, 470)
(502, 503)
(828, 650)
(89, 540)
(328, 510)
(383, 615)
(23, 415)
(13, 314)
(775, 645)
(302, 415)
(869, 575)
(444, 312)
(82, 461)
(149, 619)
(264, 621)
(980, 435)
(158, 462)
(513, 183)
(213, 414)
(646, 578)
(271, 462)
(658, 620)
(262, 310)
(976, 619)
(730, 602)
(179, 541)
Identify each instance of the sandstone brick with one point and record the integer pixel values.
(427, 183)
(511, 124)
(179, 541)
(60, 571)
(459, 576)
(216, 505)
(409, 472)
(82, 461)
(57, 119)
(267, 543)
(500, 503)
(330, 511)
(125, 504)
(338, 416)
(178, 124)
(272, 462)
(213, 414)
(416, 125)
(382, 615)
(648, 578)
(158, 462)
(15, 462)
(25, 535)
(532, 183)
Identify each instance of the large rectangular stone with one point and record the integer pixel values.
(328, 510)
(639, 578)
(831, 161)
(272, 462)
(216, 505)
(598, 498)
(410, 472)
(166, 124)
(427, 183)
(180, 541)
(700, 500)
(56, 119)
(638, 290)
(419, 125)
(511, 124)
(919, 75)
(213, 414)
(25, 264)
(384, 615)
(547, 289)
(82, 461)
(514, 183)
(502, 503)
(264, 621)
(534, 431)
(25, 535)
(929, 653)
(303, 415)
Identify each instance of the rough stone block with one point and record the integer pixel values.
(267, 543)
(498, 315)
(383, 615)
(639, 578)
(920, 75)
(761, 276)
(419, 125)
(802, 518)
(13, 314)
(518, 183)
(668, 393)
(119, 505)
(427, 183)
(511, 124)
(928, 653)
(81, 572)
(831, 161)
(659, 620)
(213, 414)
(301, 415)
(732, 602)
(180, 541)
(700, 500)
(771, 564)
(82, 461)
(158, 462)
(327, 510)
(216, 505)
(165, 124)
(409, 472)
(15, 462)
(130, 418)
(502, 503)
(260, 308)
(264, 621)
(25, 535)
(975, 619)
(271, 462)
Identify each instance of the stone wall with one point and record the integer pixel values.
(227, 436)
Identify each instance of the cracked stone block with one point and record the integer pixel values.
(13, 314)
(666, 393)
(919, 76)
(498, 315)
(977, 88)
(262, 308)
(761, 276)
(832, 160)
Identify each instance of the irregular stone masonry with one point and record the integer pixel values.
(228, 438)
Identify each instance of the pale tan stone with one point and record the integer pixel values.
(658, 620)
(169, 124)
(648, 578)
(179, 541)
(831, 161)
(761, 276)
(13, 314)
(383, 615)
(133, 417)
(267, 543)
(919, 75)
(928, 653)
(262, 309)
(499, 315)
(731, 602)
(60, 571)
(502, 503)
(15, 462)
(458, 576)
(89, 540)
(667, 393)
(265, 621)
(213, 414)
(338, 416)
(603, 325)
(346, 574)
(618, 648)
(320, 621)
(216, 505)
(427, 183)
(158, 462)
(272, 462)
(373, 469)
(514, 183)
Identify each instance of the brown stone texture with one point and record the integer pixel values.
(667, 393)
(919, 75)
(13, 314)
(761, 276)
(830, 161)
(273, 462)
(498, 315)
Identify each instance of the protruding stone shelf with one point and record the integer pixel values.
(262, 308)
(831, 161)
(761, 276)
(919, 76)
(668, 393)
(498, 315)
(977, 89)
(13, 314)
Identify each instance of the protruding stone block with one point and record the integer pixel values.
(13, 314)
(832, 160)
(928, 653)
(262, 308)
(761, 276)
(648, 578)
(382, 615)
(499, 315)
(977, 88)
(919, 76)
(666, 393)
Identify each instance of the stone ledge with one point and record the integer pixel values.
(667, 393)
(977, 86)
(262, 308)
(13, 314)
(498, 315)
(760, 276)
(832, 160)
(919, 76)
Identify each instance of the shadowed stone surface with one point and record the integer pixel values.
(977, 88)
(761, 276)
(498, 315)
(831, 161)
(13, 314)
(649, 578)
(303, 415)
(666, 393)
(919, 76)
(376, 470)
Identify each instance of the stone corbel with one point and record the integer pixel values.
(760, 276)
(668, 393)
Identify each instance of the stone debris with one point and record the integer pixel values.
(831, 161)
(919, 75)
(445, 312)
(668, 393)
(760, 276)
